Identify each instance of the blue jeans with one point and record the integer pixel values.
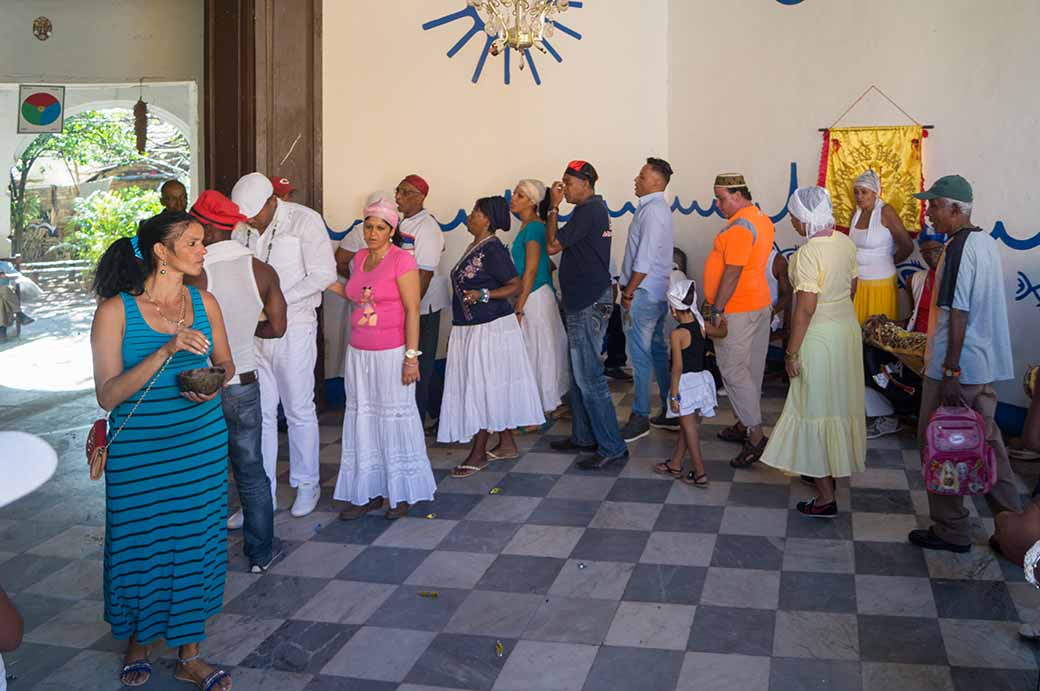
(646, 348)
(593, 418)
(241, 404)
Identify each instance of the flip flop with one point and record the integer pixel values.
(136, 666)
(700, 481)
(664, 468)
(470, 470)
(207, 684)
(494, 456)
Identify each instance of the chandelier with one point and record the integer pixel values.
(518, 24)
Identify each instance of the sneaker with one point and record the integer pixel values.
(662, 421)
(235, 521)
(637, 427)
(813, 510)
(617, 373)
(597, 462)
(307, 497)
(276, 552)
(882, 427)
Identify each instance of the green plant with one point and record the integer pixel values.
(106, 216)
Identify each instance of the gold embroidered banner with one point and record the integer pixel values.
(894, 153)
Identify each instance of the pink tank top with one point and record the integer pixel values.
(378, 314)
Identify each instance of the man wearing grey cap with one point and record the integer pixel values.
(969, 348)
(293, 240)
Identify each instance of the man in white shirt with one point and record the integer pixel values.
(292, 239)
(421, 236)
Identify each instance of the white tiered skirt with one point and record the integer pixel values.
(384, 447)
(489, 383)
(546, 343)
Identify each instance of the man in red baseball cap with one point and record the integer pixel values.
(246, 289)
(283, 189)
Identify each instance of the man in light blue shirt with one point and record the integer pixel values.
(645, 273)
(969, 348)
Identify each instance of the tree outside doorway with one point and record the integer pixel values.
(74, 192)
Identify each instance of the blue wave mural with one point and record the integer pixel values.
(999, 232)
(477, 27)
(1027, 288)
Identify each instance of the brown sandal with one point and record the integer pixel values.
(734, 433)
(355, 511)
(749, 454)
(462, 470)
(665, 468)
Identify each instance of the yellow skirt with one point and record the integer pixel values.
(877, 297)
(822, 429)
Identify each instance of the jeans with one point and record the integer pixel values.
(593, 418)
(614, 344)
(646, 347)
(429, 334)
(241, 403)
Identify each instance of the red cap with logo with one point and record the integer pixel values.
(281, 186)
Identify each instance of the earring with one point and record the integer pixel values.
(162, 270)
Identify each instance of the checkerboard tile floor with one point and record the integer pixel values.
(598, 581)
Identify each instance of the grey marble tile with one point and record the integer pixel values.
(456, 661)
(384, 564)
(582, 488)
(415, 533)
(666, 583)
(595, 579)
(761, 495)
(27, 570)
(879, 676)
(818, 556)
(479, 536)
(817, 592)
(270, 679)
(748, 552)
(824, 675)
(992, 644)
(909, 640)
(277, 597)
(621, 669)
(486, 613)
(974, 678)
(571, 620)
(230, 638)
(90, 670)
(521, 574)
(741, 588)
(651, 625)
(816, 635)
(738, 520)
(718, 672)
(345, 602)
(407, 609)
(451, 569)
(380, 654)
(962, 599)
(544, 541)
(76, 580)
(637, 490)
(317, 560)
(504, 509)
(78, 542)
(680, 549)
(736, 630)
(890, 559)
(689, 519)
(300, 646)
(899, 596)
(31, 663)
(446, 506)
(544, 666)
(611, 545)
(626, 515)
(566, 512)
(77, 626)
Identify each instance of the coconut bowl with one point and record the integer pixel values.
(204, 381)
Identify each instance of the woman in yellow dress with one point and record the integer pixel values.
(822, 431)
(881, 243)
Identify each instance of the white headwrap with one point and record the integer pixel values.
(677, 299)
(812, 206)
(251, 192)
(534, 189)
(869, 181)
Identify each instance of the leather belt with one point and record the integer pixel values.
(246, 378)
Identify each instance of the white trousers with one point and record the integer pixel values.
(285, 367)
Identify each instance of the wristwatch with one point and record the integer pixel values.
(951, 372)
(715, 312)
(411, 353)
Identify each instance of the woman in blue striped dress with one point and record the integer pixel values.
(166, 478)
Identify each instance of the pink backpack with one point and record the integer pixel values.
(956, 458)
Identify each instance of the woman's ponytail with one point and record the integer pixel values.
(119, 271)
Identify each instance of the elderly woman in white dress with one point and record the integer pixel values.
(536, 306)
(489, 385)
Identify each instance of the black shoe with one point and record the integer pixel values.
(617, 373)
(276, 551)
(570, 446)
(813, 510)
(597, 462)
(662, 421)
(24, 318)
(637, 427)
(926, 539)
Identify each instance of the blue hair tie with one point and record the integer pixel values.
(137, 249)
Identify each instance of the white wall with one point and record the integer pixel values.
(715, 86)
(97, 49)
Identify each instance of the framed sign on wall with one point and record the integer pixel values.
(41, 109)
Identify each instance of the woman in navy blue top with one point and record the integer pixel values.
(489, 383)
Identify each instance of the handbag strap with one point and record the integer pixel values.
(139, 400)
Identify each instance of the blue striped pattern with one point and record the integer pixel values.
(166, 491)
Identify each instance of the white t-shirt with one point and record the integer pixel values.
(422, 237)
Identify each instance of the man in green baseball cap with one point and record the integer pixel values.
(969, 349)
(952, 187)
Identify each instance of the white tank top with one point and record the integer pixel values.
(774, 289)
(229, 276)
(874, 246)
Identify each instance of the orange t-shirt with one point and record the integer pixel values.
(737, 246)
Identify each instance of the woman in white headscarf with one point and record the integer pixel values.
(821, 433)
(881, 243)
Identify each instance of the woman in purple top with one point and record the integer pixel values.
(489, 383)
(384, 447)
